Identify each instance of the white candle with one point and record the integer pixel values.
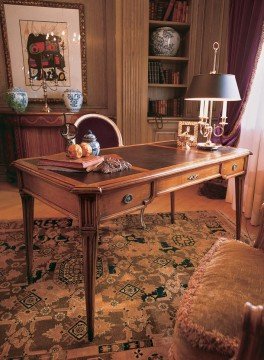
(224, 109)
(201, 109)
(206, 102)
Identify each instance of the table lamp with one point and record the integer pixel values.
(208, 88)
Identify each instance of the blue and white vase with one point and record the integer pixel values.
(165, 41)
(73, 99)
(17, 99)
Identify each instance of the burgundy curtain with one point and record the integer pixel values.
(246, 19)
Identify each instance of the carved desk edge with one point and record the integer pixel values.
(127, 180)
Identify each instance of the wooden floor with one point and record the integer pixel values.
(186, 200)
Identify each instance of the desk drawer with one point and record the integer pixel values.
(116, 201)
(187, 177)
(232, 167)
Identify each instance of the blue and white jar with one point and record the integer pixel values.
(73, 99)
(90, 138)
(17, 99)
(165, 41)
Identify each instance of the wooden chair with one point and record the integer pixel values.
(106, 131)
(252, 340)
(209, 326)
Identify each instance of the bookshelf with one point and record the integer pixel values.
(168, 75)
(132, 57)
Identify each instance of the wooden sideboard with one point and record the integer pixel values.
(29, 134)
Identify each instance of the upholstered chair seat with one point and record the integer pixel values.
(210, 316)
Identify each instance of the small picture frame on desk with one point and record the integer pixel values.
(44, 40)
(187, 129)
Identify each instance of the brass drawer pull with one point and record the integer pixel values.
(193, 177)
(127, 198)
(234, 167)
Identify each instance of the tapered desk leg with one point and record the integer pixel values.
(89, 268)
(172, 199)
(239, 182)
(28, 219)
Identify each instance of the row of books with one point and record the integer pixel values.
(158, 75)
(169, 10)
(157, 9)
(177, 11)
(170, 107)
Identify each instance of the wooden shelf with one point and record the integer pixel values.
(167, 85)
(173, 24)
(169, 58)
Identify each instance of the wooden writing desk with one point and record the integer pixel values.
(158, 168)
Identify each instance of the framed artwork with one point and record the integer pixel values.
(187, 129)
(44, 39)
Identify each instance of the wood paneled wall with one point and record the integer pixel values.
(132, 69)
(100, 55)
(209, 23)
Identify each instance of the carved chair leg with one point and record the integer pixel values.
(251, 344)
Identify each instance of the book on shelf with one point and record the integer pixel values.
(158, 75)
(169, 10)
(171, 107)
(61, 160)
(152, 9)
(180, 12)
(175, 77)
(155, 72)
(161, 8)
(185, 9)
(161, 74)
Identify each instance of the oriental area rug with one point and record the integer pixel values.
(141, 276)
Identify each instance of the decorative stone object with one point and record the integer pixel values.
(17, 99)
(90, 138)
(74, 151)
(165, 41)
(112, 165)
(73, 99)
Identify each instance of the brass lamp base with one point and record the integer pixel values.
(207, 146)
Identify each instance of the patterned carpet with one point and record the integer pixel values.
(141, 276)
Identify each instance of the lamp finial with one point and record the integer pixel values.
(216, 47)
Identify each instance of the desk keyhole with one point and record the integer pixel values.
(127, 198)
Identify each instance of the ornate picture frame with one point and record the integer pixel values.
(44, 37)
(190, 128)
